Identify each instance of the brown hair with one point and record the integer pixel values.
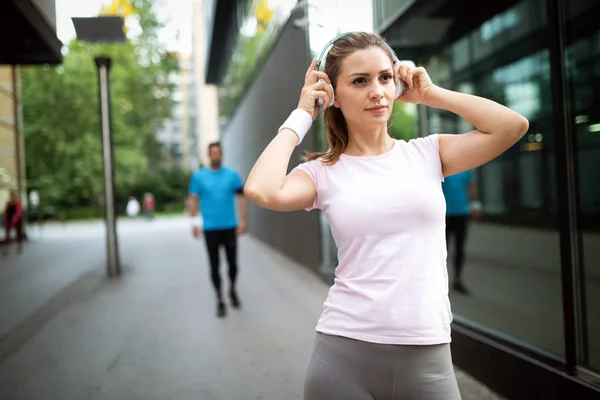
(335, 123)
(215, 144)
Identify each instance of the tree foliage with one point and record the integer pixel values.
(61, 116)
(402, 125)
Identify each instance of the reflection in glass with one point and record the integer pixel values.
(512, 267)
(582, 59)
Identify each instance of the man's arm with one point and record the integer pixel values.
(473, 192)
(193, 204)
(476, 206)
(241, 199)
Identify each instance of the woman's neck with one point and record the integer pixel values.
(368, 141)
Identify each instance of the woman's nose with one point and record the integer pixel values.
(376, 91)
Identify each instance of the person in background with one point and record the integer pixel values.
(133, 207)
(149, 206)
(216, 188)
(462, 202)
(13, 219)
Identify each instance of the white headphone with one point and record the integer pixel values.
(400, 87)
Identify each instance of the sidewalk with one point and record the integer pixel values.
(153, 334)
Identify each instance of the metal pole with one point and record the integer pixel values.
(18, 136)
(113, 267)
(17, 128)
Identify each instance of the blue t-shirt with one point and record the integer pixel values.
(456, 191)
(217, 190)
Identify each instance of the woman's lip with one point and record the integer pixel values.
(378, 111)
(376, 108)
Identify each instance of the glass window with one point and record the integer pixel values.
(460, 54)
(512, 263)
(508, 279)
(582, 58)
(383, 10)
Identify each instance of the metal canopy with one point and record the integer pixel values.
(100, 29)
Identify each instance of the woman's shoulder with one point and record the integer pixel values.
(312, 167)
(424, 151)
(421, 144)
(428, 140)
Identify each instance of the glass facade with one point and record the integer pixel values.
(261, 26)
(385, 11)
(512, 267)
(514, 272)
(582, 61)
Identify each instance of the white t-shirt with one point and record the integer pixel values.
(133, 208)
(387, 216)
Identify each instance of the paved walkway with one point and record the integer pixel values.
(66, 332)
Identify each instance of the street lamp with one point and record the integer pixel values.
(105, 29)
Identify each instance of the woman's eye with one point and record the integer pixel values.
(359, 80)
(386, 77)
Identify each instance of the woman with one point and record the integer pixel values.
(385, 328)
(13, 218)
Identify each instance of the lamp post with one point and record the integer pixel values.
(105, 30)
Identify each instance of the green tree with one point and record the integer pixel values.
(402, 125)
(61, 115)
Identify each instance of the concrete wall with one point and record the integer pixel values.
(268, 103)
(9, 168)
(207, 100)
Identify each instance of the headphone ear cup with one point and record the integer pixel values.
(400, 88)
(320, 100)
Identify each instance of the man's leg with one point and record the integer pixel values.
(462, 222)
(230, 243)
(212, 247)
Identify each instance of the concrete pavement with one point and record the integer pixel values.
(69, 333)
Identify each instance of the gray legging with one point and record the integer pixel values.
(346, 369)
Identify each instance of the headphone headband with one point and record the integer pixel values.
(400, 86)
(341, 35)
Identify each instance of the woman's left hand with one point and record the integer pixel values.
(418, 84)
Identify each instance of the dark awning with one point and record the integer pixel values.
(27, 37)
(424, 24)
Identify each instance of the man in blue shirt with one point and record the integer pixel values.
(461, 202)
(214, 190)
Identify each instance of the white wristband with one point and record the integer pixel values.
(196, 221)
(299, 122)
(476, 206)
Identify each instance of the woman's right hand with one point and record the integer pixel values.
(316, 86)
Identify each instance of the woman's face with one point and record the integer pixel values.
(365, 87)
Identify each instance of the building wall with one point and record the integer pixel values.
(269, 101)
(175, 132)
(186, 142)
(206, 96)
(9, 168)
